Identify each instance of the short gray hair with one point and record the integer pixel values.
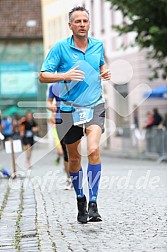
(78, 8)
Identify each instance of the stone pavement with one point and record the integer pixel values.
(37, 214)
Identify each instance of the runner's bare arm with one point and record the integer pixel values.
(72, 75)
(105, 73)
(50, 105)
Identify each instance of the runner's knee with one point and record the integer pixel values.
(74, 164)
(94, 155)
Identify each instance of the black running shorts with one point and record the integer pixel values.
(73, 133)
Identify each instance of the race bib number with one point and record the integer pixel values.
(82, 115)
(29, 133)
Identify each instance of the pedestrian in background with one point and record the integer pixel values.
(16, 127)
(80, 66)
(27, 130)
(7, 129)
(56, 138)
(149, 122)
(157, 117)
(55, 109)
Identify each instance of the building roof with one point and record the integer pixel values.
(20, 19)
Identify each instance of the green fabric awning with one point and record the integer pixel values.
(13, 110)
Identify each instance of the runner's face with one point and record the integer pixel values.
(79, 24)
(29, 116)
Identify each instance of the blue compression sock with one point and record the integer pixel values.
(76, 179)
(93, 174)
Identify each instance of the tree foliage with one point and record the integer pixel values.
(149, 20)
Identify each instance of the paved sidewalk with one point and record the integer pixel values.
(37, 214)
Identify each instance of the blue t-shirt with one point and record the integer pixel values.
(64, 56)
(7, 127)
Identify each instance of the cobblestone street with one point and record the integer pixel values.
(37, 214)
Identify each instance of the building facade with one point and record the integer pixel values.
(21, 54)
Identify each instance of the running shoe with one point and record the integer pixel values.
(94, 216)
(82, 210)
(68, 185)
(57, 160)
